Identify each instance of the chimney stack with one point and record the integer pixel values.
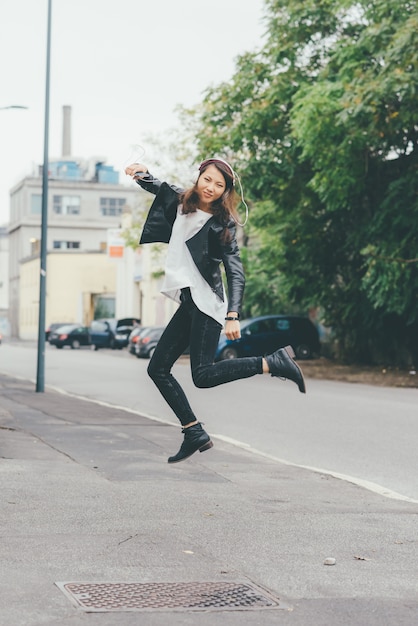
(66, 131)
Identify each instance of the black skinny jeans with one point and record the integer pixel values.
(191, 327)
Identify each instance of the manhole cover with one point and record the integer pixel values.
(222, 596)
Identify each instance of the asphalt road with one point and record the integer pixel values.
(363, 434)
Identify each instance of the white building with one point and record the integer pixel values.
(80, 213)
(85, 205)
(4, 282)
(139, 279)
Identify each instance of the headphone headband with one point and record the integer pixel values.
(217, 160)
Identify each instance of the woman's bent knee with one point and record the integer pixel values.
(152, 370)
(201, 379)
(156, 372)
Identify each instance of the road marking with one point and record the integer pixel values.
(366, 484)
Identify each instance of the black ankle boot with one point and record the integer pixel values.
(195, 438)
(281, 364)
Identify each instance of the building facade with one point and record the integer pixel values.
(4, 282)
(85, 201)
(78, 284)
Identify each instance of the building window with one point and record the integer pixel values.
(66, 205)
(104, 306)
(112, 206)
(36, 204)
(66, 245)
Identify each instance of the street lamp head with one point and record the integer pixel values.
(13, 106)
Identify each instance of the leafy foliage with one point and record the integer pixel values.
(321, 123)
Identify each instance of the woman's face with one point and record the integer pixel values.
(210, 185)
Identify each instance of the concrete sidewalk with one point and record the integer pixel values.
(88, 497)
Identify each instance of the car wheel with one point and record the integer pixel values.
(229, 353)
(303, 351)
(75, 344)
(151, 352)
(59, 347)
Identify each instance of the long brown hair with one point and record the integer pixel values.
(225, 207)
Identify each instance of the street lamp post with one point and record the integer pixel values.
(40, 374)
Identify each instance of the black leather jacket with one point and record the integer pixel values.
(207, 247)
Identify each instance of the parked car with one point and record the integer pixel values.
(111, 333)
(122, 336)
(133, 338)
(53, 327)
(71, 335)
(262, 335)
(147, 341)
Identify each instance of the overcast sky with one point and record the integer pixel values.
(122, 65)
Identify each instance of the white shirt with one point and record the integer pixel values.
(181, 271)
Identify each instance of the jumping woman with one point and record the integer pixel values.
(199, 225)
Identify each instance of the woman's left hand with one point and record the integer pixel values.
(232, 329)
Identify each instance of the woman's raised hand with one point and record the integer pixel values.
(136, 168)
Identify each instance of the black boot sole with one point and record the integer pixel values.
(301, 382)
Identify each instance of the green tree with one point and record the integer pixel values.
(323, 127)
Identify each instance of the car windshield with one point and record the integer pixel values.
(157, 331)
(127, 321)
(67, 328)
(152, 331)
(135, 331)
(99, 326)
(143, 331)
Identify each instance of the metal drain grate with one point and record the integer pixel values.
(222, 596)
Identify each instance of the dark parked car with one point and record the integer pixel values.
(262, 335)
(71, 335)
(112, 333)
(147, 341)
(122, 336)
(53, 327)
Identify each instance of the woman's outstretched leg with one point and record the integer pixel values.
(203, 343)
(204, 338)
